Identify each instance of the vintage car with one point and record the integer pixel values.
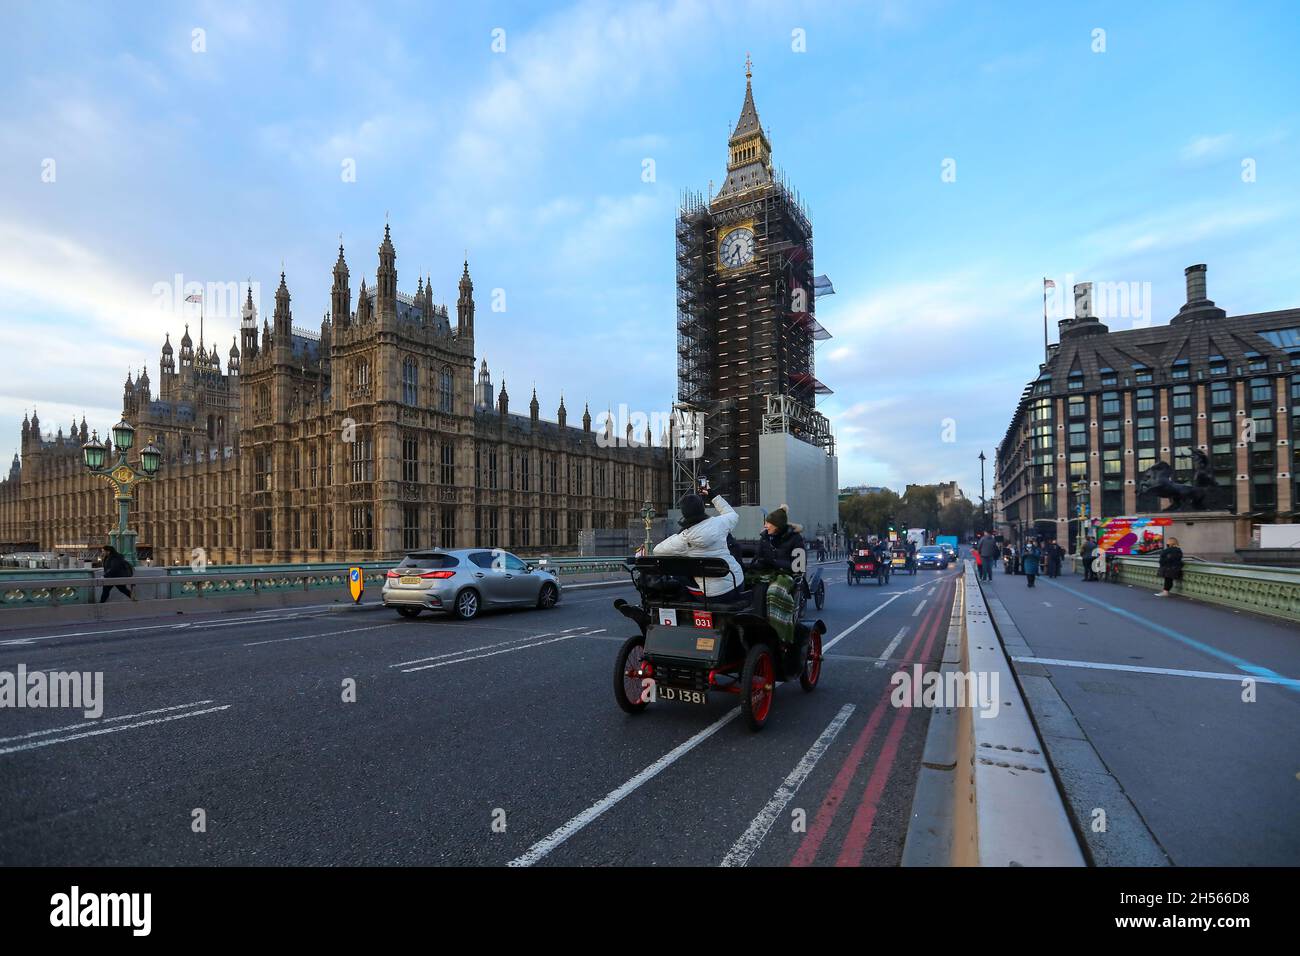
(691, 645)
(866, 563)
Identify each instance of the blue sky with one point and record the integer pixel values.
(1120, 165)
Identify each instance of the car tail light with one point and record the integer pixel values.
(392, 573)
(438, 574)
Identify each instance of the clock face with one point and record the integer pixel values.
(737, 248)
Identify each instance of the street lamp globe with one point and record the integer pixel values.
(123, 435)
(92, 452)
(150, 459)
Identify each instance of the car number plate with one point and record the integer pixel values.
(682, 694)
(409, 579)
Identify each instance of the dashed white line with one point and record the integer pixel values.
(888, 652)
(754, 835)
(506, 650)
(307, 637)
(143, 713)
(109, 730)
(920, 607)
(541, 848)
(1165, 671)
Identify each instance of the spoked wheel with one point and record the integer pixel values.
(548, 597)
(757, 685)
(812, 668)
(627, 675)
(820, 596)
(850, 577)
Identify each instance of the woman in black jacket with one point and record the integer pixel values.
(1171, 566)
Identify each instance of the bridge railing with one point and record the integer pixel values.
(1271, 591)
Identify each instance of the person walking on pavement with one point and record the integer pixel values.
(1088, 552)
(115, 566)
(988, 550)
(1052, 555)
(1029, 560)
(1171, 566)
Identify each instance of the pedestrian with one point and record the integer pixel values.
(1029, 560)
(1088, 552)
(115, 566)
(1008, 560)
(1053, 554)
(1171, 566)
(987, 552)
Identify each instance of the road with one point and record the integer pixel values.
(490, 742)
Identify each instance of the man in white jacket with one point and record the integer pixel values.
(705, 537)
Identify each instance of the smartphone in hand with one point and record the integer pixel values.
(704, 488)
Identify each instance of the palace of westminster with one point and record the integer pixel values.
(365, 440)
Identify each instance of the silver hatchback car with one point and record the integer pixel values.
(466, 581)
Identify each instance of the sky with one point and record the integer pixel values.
(951, 156)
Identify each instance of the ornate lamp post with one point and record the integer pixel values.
(983, 508)
(123, 477)
(647, 515)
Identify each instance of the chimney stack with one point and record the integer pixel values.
(1197, 306)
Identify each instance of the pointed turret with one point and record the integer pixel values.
(340, 292)
(187, 348)
(386, 280)
(561, 414)
(248, 326)
(283, 315)
(465, 305)
(534, 407)
(232, 364)
(483, 387)
(363, 305)
(503, 400)
(586, 417)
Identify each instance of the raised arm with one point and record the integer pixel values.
(728, 514)
(673, 544)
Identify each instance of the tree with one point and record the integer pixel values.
(863, 515)
(957, 517)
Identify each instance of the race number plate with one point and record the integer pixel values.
(682, 694)
(410, 579)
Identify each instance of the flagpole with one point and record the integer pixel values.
(1045, 320)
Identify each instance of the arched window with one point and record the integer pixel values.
(445, 389)
(410, 382)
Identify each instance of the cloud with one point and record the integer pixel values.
(1202, 149)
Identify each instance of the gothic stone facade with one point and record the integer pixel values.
(365, 440)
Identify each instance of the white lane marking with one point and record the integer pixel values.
(507, 650)
(542, 847)
(471, 650)
(116, 630)
(109, 730)
(930, 593)
(143, 713)
(889, 651)
(920, 607)
(854, 626)
(1167, 671)
(1047, 604)
(307, 637)
(753, 837)
(596, 584)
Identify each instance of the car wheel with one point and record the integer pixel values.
(757, 685)
(627, 686)
(812, 668)
(467, 604)
(409, 612)
(548, 597)
(820, 596)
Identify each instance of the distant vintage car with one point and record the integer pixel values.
(466, 581)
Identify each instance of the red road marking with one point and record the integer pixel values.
(855, 843)
(812, 840)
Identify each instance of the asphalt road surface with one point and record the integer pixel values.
(228, 740)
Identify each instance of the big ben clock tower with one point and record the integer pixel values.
(746, 327)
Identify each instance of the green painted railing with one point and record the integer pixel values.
(1248, 587)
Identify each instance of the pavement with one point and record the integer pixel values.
(348, 736)
(1173, 726)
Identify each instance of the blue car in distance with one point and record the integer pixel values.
(932, 556)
